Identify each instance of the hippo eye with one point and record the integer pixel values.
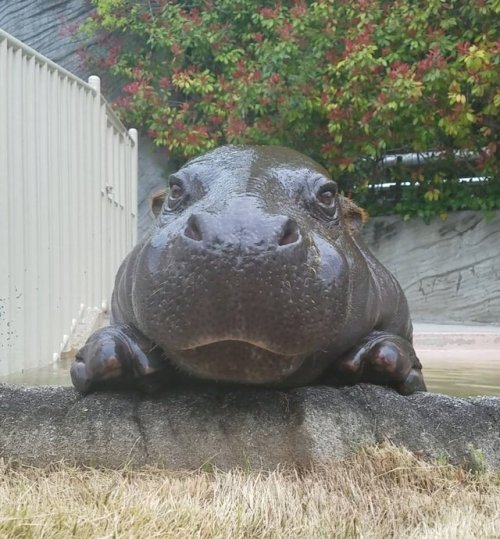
(176, 195)
(176, 191)
(326, 195)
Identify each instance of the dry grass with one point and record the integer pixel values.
(381, 492)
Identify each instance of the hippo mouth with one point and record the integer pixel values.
(237, 361)
(254, 343)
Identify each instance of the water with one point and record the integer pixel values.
(454, 374)
(460, 373)
(459, 360)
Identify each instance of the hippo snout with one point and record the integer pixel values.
(248, 232)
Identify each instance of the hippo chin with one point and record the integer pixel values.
(254, 273)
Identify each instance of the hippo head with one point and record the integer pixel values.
(251, 267)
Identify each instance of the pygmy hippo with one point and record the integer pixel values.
(255, 273)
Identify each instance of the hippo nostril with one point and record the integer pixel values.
(290, 233)
(192, 229)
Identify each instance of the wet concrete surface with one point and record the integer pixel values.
(457, 360)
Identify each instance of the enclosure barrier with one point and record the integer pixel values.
(68, 199)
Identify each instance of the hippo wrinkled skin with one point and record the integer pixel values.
(255, 273)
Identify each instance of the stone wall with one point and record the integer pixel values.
(46, 26)
(449, 270)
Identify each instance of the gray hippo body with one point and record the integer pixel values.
(254, 273)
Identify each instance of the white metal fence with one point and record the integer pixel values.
(68, 199)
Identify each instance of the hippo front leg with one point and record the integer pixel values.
(383, 359)
(119, 355)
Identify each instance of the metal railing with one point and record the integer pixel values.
(68, 203)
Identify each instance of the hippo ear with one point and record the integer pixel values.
(354, 216)
(157, 200)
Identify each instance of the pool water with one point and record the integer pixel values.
(459, 373)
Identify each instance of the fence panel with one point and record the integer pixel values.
(68, 203)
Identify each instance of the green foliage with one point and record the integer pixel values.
(477, 462)
(344, 82)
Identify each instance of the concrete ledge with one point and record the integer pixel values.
(185, 429)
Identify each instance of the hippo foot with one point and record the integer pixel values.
(116, 356)
(383, 359)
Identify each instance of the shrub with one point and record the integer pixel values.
(344, 82)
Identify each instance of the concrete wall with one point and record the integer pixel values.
(449, 270)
